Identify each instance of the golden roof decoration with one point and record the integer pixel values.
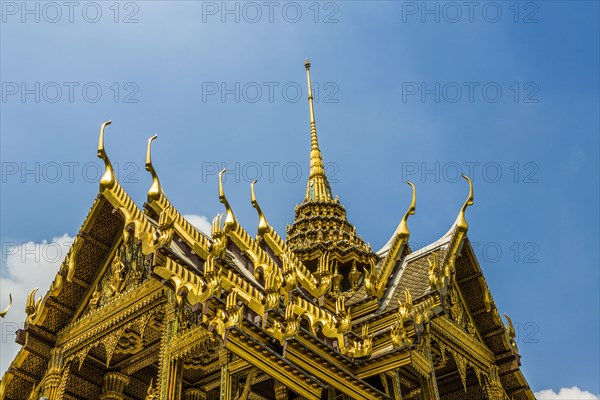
(317, 315)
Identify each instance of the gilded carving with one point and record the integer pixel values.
(494, 387)
(219, 241)
(110, 343)
(354, 276)
(362, 347)
(343, 315)
(398, 334)
(33, 308)
(152, 392)
(117, 277)
(128, 269)
(114, 385)
(3, 313)
(95, 299)
(459, 314)
(461, 364)
(511, 334)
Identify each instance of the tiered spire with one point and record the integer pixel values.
(320, 225)
(318, 187)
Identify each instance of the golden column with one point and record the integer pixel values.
(50, 385)
(194, 394)
(114, 385)
(281, 391)
(226, 381)
(170, 371)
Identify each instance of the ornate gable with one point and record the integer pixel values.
(128, 269)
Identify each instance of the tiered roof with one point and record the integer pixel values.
(319, 309)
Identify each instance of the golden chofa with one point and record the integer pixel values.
(145, 306)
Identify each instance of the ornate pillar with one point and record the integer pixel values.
(330, 393)
(170, 371)
(194, 394)
(50, 385)
(114, 386)
(432, 388)
(396, 386)
(493, 386)
(226, 381)
(281, 391)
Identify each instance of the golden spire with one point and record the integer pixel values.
(155, 190)
(108, 179)
(318, 187)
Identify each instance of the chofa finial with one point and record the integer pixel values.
(155, 190)
(262, 220)
(403, 228)
(461, 222)
(108, 179)
(3, 313)
(229, 216)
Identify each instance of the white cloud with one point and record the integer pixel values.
(200, 222)
(573, 393)
(25, 266)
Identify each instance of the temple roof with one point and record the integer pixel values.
(321, 306)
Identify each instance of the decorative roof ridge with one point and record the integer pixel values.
(118, 197)
(280, 247)
(160, 203)
(262, 262)
(458, 231)
(397, 242)
(111, 191)
(451, 240)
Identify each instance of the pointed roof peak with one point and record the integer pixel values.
(318, 187)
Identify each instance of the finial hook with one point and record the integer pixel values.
(462, 222)
(229, 216)
(413, 201)
(262, 220)
(108, 179)
(403, 228)
(3, 313)
(155, 189)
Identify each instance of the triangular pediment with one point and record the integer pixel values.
(126, 269)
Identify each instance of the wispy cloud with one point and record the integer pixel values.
(26, 266)
(199, 221)
(572, 393)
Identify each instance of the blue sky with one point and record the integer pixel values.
(504, 91)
